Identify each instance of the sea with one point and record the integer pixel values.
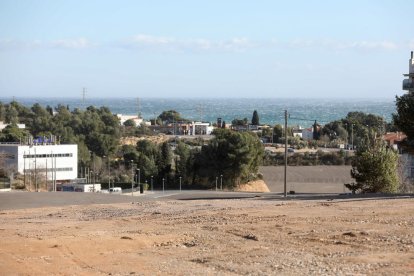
(302, 111)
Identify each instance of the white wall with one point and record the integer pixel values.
(65, 159)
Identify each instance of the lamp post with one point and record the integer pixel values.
(152, 183)
(90, 179)
(352, 136)
(139, 180)
(180, 183)
(132, 177)
(221, 182)
(109, 173)
(163, 184)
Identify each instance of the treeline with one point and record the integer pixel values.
(230, 158)
(95, 130)
(309, 159)
(354, 129)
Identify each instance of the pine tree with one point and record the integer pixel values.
(374, 169)
(255, 118)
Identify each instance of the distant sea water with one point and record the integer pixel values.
(271, 110)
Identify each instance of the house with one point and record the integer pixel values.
(124, 118)
(3, 125)
(297, 132)
(307, 134)
(393, 139)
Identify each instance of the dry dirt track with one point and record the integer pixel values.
(307, 179)
(215, 237)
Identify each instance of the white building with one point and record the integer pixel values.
(307, 134)
(297, 132)
(58, 162)
(199, 128)
(124, 118)
(3, 125)
(408, 84)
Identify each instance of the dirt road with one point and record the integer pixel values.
(215, 237)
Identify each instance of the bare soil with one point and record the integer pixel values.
(216, 237)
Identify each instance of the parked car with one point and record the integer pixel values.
(115, 190)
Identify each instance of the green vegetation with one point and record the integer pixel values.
(96, 131)
(374, 169)
(255, 118)
(235, 155)
(404, 119)
(308, 158)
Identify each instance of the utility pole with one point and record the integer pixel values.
(286, 151)
(83, 96)
(138, 108)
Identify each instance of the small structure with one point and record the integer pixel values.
(3, 125)
(393, 139)
(307, 134)
(297, 132)
(408, 84)
(124, 118)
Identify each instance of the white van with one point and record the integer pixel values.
(115, 190)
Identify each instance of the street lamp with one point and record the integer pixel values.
(90, 179)
(132, 178)
(163, 180)
(180, 183)
(139, 180)
(352, 136)
(152, 183)
(221, 182)
(109, 173)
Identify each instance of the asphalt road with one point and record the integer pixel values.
(26, 200)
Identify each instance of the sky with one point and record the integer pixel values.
(199, 49)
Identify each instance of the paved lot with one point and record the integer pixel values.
(308, 179)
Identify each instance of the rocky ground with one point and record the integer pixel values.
(224, 237)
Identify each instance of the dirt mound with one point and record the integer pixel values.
(253, 186)
(159, 139)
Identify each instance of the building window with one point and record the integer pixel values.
(48, 155)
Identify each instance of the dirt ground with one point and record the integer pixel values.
(215, 237)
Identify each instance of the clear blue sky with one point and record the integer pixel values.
(209, 48)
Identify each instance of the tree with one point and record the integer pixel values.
(235, 155)
(12, 133)
(239, 122)
(277, 133)
(374, 169)
(255, 118)
(181, 166)
(404, 119)
(130, 123)
(12, 115)
(170, 116)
